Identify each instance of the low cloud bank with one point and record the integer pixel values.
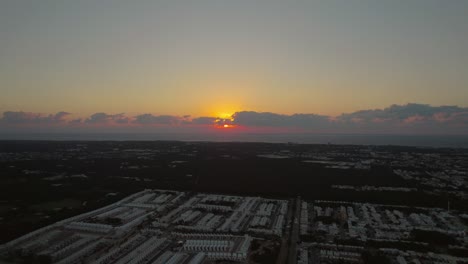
(409, 118)
(10, 117)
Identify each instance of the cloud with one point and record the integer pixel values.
(61, 116)
(75, 121)
(250, 118)
(414, 119)
(11, 117)
(409, 118)
(103, 118)
(149, 119)
(395, 119)
(204, 120)
(402, 112)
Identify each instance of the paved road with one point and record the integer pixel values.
(284, 249)
(294, 235)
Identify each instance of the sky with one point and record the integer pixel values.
(304, 65)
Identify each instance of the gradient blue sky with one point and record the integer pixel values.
(212, 57)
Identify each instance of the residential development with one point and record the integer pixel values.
(158, 226)
(226, 202)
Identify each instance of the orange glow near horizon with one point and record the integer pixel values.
(225, 115)
(223, 108)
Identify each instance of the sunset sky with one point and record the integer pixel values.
(253, 63)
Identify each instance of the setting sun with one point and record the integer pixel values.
(225, 126)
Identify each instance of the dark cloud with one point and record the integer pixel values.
(75, 121)
(408, 114)
(11, 117)
(103, 118)
(204, 120)
(409, 118)
(61, 116)
(98, 118)
(147, 119)
(121, 119)
(250, 118)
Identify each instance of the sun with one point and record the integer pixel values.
(224, 119)
(225, 126)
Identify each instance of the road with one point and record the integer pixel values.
(294, 234)
(283, 253)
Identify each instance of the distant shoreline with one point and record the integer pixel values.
(437, 141)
